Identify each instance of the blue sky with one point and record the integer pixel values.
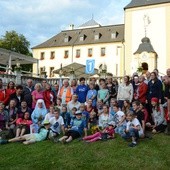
(39, 20)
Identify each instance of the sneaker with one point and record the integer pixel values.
(3, 141)
(132, 144)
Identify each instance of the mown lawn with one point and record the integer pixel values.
(113, 154)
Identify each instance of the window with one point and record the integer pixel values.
(66, 54)
(78, 53)
(103, 51)
(97, 36)
(42, 56)
(42, 69)
(114, 35)
(67, 39)
(52, 55)
(82, 37)
(90, 52)
(51, 71)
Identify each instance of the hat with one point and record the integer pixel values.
(46, 122)
(112, 123)
(154, 99)
(78, 112)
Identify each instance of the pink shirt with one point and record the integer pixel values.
(37, 95)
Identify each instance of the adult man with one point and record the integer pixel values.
(66, 92)
(28, 89)
(73, 103)
(148, 75)
(18, 96)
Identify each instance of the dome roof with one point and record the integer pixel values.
(145, 46)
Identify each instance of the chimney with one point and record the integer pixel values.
(71, 27)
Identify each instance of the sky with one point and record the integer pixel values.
(39, 20)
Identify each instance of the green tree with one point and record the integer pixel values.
(17, 43)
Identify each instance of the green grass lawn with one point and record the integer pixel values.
(113, 154)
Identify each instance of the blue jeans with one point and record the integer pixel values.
(120, 129)
(132, 133)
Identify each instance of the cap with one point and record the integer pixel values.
(46, 122)
(78, 112)
(154, 99)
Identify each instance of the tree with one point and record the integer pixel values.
(17, 43)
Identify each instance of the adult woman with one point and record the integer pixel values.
(37, 94)
(49, 96)
(74, 85)
(13, 114)
(9, 90)
(24, 108)
(154, 90)
(112, 88)
(125, 91)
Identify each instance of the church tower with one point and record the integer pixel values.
(147, 21)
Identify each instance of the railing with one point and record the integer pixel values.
(23, 79)
(7, 77)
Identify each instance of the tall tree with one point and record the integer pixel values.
(17, 43)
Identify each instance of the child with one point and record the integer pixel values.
(57, 123)
(106, 133)
(91, 94)
(133, 129)
(119, 119)
(159, 122)
(49, 115)
(66, 117)
(73, 112)
(23, 124)
(76, 130)
(99, 107)
(42, 134)
(92, 124)
(103, 93)
(104, 117)
(58, 103)
(85, 114)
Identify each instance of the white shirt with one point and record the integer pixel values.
(118, 117)
(56, 124)
(135, 122)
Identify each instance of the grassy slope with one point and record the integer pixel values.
(113, 154)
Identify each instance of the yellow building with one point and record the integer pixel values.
(149, 22)
(143, 40)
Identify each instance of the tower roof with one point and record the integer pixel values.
(90, 23)
(140, 3)
(145, 46)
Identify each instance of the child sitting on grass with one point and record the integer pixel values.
(106, 133)
(76, 130)
(133, 129)
(32, 138)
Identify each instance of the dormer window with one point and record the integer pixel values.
(82, 37)
(67, 39)
(97, 36)
(114, 35)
